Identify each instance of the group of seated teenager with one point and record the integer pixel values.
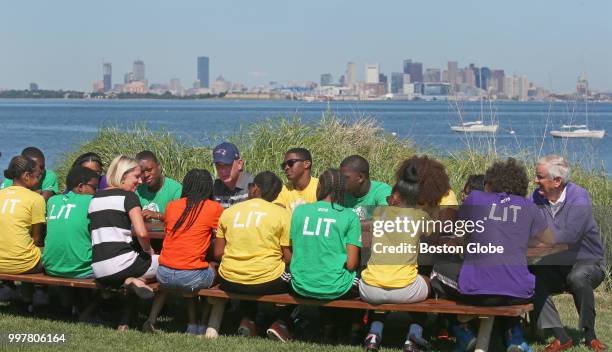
(258, 236)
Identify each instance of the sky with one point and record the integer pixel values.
(62, 44)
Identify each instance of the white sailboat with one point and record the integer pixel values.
(579, 131)
(475, 126)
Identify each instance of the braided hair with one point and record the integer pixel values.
(89, 157)
(18, 166)
(331, 183)
(197, 188)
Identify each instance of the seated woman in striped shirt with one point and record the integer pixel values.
(113, 212)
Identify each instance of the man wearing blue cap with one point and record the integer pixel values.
(232, 183)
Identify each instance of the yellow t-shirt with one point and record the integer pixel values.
(387, 267)
(19, 209)
(254, 232)
(291, 198)
(449, 199)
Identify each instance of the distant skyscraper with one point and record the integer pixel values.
(107, 72)
(432, 75)
(139, 70)
(33, 87)
(397, 82)
(350, 77)
(327, 79)
(498, 77)
(372, 72)
(414, 69)
(582, 86)
(204, 71)
(523, 87)
(453, 71)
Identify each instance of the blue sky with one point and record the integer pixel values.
(62, 44)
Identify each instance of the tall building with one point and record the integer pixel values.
(582, 86)
(350, 76)
(139, 70)
(469, 78)
(509, 87)
(33, 87)
(204, 71)
(522, 88)
(414, 69)
(432, 75)
(372, 73)
(175, 86)
(497, 76)
(107, 72)
(397, 82)
(453, 70)
(327, 79)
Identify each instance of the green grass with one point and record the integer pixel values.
(84, 337)
(330, 140)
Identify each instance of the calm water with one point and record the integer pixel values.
(57, 126)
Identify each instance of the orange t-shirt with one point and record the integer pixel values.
(186, 249)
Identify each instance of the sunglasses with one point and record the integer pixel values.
(290, 163)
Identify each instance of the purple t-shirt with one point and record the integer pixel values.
(507, 221)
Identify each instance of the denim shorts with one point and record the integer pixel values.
(187, 280)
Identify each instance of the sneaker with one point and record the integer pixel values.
(464, 337)
(247, 328)
(192, 329)
(279, 331)
(597, 345)
(123, 327)
(8, 293)
(372, 343)
(515, 340)
(556, 346)
(443, 335)
(147, 327)
(410, 346)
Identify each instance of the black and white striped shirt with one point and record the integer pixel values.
(113, 256)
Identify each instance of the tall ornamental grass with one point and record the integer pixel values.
(330, 140)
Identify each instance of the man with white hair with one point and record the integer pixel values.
(579, 270)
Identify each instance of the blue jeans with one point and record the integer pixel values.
(187, 280)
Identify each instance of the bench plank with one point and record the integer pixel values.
(429, 305)
(50, 280)
(43, 279)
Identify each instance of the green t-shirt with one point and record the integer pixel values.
(67, 251)
(48, 182)
(171, 190)
(319, 235)
(363, 206)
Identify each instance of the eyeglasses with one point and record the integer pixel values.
(290, 163)
(251, 184)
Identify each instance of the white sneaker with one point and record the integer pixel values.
(7, 293)
(192, 329)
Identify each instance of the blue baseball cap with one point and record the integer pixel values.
(225, 153)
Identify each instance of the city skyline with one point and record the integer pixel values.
(258, 43)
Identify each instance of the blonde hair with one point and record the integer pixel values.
(120, 166)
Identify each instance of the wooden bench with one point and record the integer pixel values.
(218, 298)
(43, 279)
